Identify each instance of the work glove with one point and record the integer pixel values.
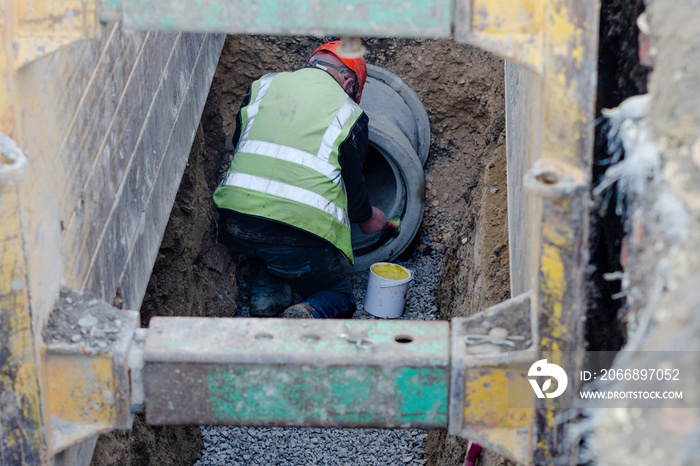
(376, 222)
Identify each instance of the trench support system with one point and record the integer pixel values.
(339, 373)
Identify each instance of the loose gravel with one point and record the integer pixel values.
(310, 446)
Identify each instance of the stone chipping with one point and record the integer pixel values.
(312, 446)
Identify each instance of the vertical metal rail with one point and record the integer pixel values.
(7, 121)
(557, 39)
(562, 177)
(21, 429)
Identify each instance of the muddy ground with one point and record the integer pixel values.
(462, 89)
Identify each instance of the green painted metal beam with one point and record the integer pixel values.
(375, 18)
(284, 372)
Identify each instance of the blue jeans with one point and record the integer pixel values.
(316, 272)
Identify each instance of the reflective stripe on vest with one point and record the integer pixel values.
(286, 165)
(290, 154)
(318, 162)
(252, 109)
(286, 191)
(336, 128)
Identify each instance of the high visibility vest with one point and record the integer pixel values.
(286, 165)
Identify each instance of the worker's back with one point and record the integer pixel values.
(286, 166)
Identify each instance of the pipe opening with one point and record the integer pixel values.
(386, 191)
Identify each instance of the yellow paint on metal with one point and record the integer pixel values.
(487, 398)
(557, 39)
(566, 114)
(18, 370)
(43, 26)
(561, 29)
(513, 29)
(502, 17)
(31, 29)
(81, 397)
(564, 120)
(552, 283)
(550, 422)
(490, 415)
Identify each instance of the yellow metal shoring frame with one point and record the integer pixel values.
(28, 30)
(562, 177)
(7, 119)
(21, 428)
(558, 40)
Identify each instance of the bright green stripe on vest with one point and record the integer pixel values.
(282, 120)
(306, 217)
(289, 173)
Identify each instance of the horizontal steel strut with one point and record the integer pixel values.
(290, 372)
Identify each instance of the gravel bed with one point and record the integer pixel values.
(310, 446)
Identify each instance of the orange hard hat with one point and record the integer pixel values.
(358, 65)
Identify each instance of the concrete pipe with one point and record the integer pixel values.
(399, 137)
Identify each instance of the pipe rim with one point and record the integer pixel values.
(411, 99)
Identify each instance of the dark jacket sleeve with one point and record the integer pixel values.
(237, 132)
(351, 156)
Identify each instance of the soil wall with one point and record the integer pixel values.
(476, 274)
(620, 76)
(662, 250)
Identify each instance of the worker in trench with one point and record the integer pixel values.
(295, 183)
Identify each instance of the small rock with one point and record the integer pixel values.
(493, 190)
(498, 333)
(87, 321)
(69, 300)
(76, 338)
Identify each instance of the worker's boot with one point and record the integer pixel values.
(298, 311)
(269, 295)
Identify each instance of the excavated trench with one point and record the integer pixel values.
(457, 249)
(459, 253)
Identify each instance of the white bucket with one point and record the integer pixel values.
(386, 296)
